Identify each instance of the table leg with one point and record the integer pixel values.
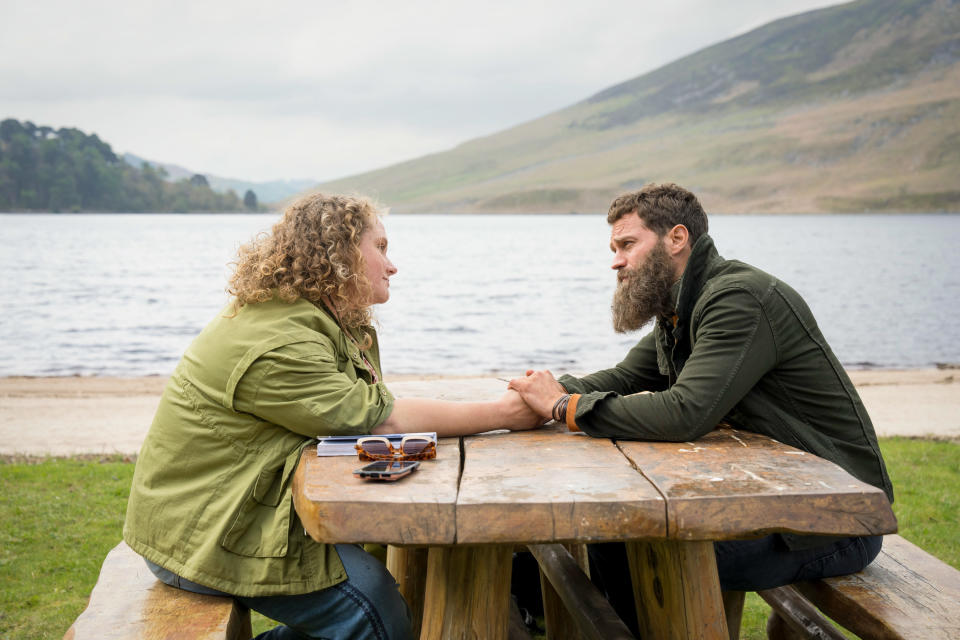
(408, 565)
(467, 593)
(677, 590)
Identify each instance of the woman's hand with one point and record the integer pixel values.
(518, 416)
(540, 390)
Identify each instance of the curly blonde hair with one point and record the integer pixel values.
(313, 252)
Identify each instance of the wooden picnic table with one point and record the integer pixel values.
(465, 512)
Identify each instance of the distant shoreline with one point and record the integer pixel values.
(74, 415)
(866, 375)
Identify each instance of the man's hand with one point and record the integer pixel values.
(519, 416)
(540, 390)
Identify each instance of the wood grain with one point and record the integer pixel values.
(586, 614)
(408, 566)
(797, 617)
(335, 506)
(468, 593)
(676, 590)
(736, 484)
(905, 593)
(128, 602)
(550, 485)
(557, 619)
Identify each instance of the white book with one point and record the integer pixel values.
(346, 445)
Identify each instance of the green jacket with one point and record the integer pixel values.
(746, 349)
(211, 497)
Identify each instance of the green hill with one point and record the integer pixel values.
(850, 108)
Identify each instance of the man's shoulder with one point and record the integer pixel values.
(746, 287)
(734, 275)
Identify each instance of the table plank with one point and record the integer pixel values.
(335, 506)
(550, 485)
(737, 484)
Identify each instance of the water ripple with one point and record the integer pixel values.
(104, 296)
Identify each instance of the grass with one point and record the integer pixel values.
(60, 517)
(58, 520)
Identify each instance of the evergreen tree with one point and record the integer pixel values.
(42, 169)
(250, 200)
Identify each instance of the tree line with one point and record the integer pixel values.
(42, 169)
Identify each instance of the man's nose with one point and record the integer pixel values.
(619, 261)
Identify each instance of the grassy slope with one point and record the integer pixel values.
(59, 518)
(844, 109)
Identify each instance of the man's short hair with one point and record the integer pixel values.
(661, 207)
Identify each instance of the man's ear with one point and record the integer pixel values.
(678, 239)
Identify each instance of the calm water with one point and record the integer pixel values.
(125, 294)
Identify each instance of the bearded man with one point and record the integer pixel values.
(731, 344)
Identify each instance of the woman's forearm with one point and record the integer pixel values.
(457, 418)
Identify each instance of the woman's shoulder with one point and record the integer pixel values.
(299, 312)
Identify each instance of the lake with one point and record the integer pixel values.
(124, 295)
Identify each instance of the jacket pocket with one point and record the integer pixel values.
(260, 527)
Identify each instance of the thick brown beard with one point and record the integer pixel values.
(645, 293)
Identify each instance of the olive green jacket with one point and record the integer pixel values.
(211, 497)
(745, 349)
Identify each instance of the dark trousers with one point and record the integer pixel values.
(743, 565)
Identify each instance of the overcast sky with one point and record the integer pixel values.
(323, 89)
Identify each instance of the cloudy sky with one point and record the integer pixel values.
(324, 89)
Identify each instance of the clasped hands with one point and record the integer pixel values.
(532, 397)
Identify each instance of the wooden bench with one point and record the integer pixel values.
(129, 602)
(905, 593)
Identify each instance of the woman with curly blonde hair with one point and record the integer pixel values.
(292, 357)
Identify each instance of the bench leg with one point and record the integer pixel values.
(793, 616)
(560, 624)
(733, 611)
(467, 593)
(240, 628)
(408, 565)
(584, 613)
(677, 590)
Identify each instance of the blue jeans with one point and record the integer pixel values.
(365, 606)
(743, 565)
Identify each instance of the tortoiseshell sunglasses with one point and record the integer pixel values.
(411, 448)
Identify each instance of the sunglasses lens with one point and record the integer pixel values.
(376, 447)
(413, 446)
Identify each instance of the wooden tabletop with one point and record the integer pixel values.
(551, 485)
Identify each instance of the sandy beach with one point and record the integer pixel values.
(89, 415)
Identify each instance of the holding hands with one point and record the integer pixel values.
(518, 414)
(540, 390)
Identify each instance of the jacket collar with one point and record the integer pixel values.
(703, 259)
